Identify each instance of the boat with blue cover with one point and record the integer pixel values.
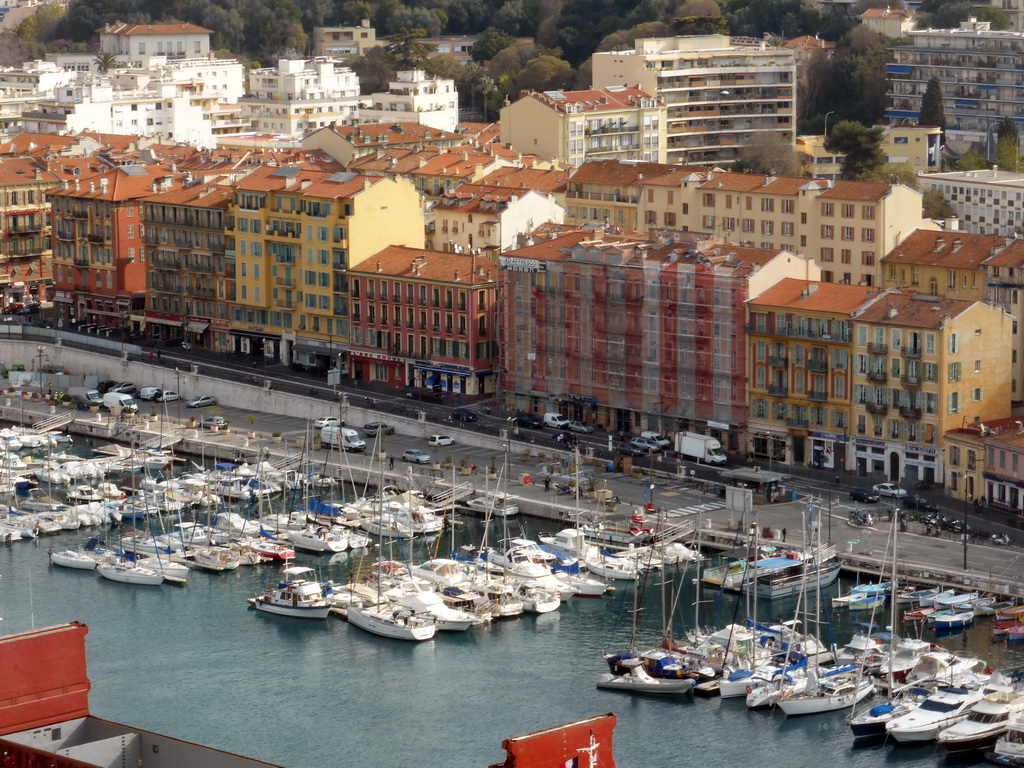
(872, 722)
(785, 576)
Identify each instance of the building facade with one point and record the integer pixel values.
(137, 41)
(299, 96)
(631, 332)
(989, 201)
(425, 319)
(414, 97)
(484, 219)
(345, 41)
(941, 263)
(615, 123)
(917, 146)
(26, 242)
(718, 91)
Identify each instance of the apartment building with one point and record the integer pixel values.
(25, 231)
(924, 365)
(917, 146)
(800, 337)
(1002, 446)
(345, 41)
(99, 271)
(413, 97)
(298, 96)
(187, 272)
(486, 219)
(615, 123)
(964, 457)
(948, 264)
(983, 201)
(890, 22)
(718, 91)
(346, 142)
(977, 69)
(1004, 288)
(291, 236)
(634, 332)
(136, 41)
(426, 319)
(805, 48)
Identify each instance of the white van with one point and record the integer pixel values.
(86, 395)
(121, 400)
(347, 439)
(658, 439)
(555, 420)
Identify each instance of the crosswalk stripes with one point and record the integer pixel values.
(696, 509)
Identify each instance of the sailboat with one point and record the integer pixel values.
(382, 618)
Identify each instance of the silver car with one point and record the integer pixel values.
(416, 456)
(579, 427)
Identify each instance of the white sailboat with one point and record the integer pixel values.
(127, 572)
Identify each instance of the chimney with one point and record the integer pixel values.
(378, 267)
(892, 312)
(92, 186)
(104, 183)
(456, 276)
(64, 185)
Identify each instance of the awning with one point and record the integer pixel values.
(898, 69)
(255, 334)
(197, 326)
(137, 318)
(161, 321)
(965, 103)
(102, 312)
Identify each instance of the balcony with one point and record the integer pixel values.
(286, 281)
(817, 396)
(879, 377)
(913, 382)
(877, 407)
(95, 238)
(818, 366)
(778, 361)
(80, 262)
(911, 353)
(778, 390)
(878, 349)
(797, 421)
(910, 412)
(20, 229)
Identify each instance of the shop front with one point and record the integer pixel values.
(870, 457)
(828, 450)
(449, 378)
(377, 366)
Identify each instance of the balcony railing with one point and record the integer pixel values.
(778, 361)
(796, 421)
(778, 390)
(877, 407)
(818, 396)
(818, 366)
(878, 376)
(911, 381)
(913, 353)
(878, 349)
(910, 412)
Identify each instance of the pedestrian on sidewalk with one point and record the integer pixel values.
(159, 355)
(547, 483)
(783, 535)
(391, 462)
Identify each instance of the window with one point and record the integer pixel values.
(826, 254)
(952, 344)
(131, 231)
(954, 402)
(977, 395)
(827, 232)
(827, 209)
(867, 258)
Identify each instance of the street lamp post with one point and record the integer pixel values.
(825, 133)
(177, 388)
(39, 368)
(967, 501)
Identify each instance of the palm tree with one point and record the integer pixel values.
(105, 61)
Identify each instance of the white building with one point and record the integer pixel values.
(488, 219)
(298, 96)
(415, 98)
(158, 109)
(137, 41)
(34, 78)
(718, 91)
(985, 202)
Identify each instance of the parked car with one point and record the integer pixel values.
(462, 414)
(200, 401)
(124, 387)
(439, 440)
(147, 393)
(919, 503)
(627, 449)
(645, 445)
(211, 422)
(891, 490)
(528, 420)
(327, 421)
(105, 385)
(167, 396)
(863, 494)
(13, 308)
(416, 456)
(579, 427)
(371, 429)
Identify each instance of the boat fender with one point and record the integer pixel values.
(750, 689)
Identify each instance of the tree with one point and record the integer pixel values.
(1007, 129)
(1007, 153)
(697, 8)
(995, 16)
(624, 40)
(932, 110)
(935, 204)
(893, 173)
(375, 70)
(971, 161)
(545, 73)
(105, 61)
(445, 67)
(859, 144)
(405, 50)
(768, 153)
(701, 25)
(491, 42)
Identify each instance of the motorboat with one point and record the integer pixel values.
(951, 619)
(493, 504)
(127, 572)
(272, 550)
(872, 722)
(171, 570)
(1009, 748)
(214, 559)
(536, 599)
(72, 558)
(638, 680)
(943, 666)
(614, 568)
(387, 527)
(444, 572)
(421, 600)
(318, 539)
(829, 694)
(903, 658)
(297, 595)
(945, 707)
(985, 724)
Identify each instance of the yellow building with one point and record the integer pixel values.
(924, 365)
(609, 192)
(845, 226)
(293, 234)
(941, 263)
(965, 461)
(915, 145)
(800, 358)
(621, 122)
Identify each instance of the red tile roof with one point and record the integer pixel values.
(181, 28)
(945, 249)
(369, 134)
(810, 296)
(196, 196)
(594, 100)
(309, 182)
(1010, 256)
(127, 182)
(437, 266)
(913, 310)
(620, 173)
(21, 170)
(528, 178)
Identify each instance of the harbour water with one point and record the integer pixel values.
(196, 663)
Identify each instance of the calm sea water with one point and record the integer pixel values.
(196, 663)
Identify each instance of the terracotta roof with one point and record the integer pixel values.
(811, 296)
(528, 178)
(913, 310)
(308, 182)
(394, 160)
(557, 248)
(454, 164)
(35, 143)
(865, 191)
(889, 13)
(1001, 430)
(196, 196)
(469, 198)
(182, 28)
(392, 133)
(594, 100)
(438, 266)
(1010, 256)
(481, 133)
(126, 182)
(945, 249)
(809, 43)
(22, 170)
(619, 173)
